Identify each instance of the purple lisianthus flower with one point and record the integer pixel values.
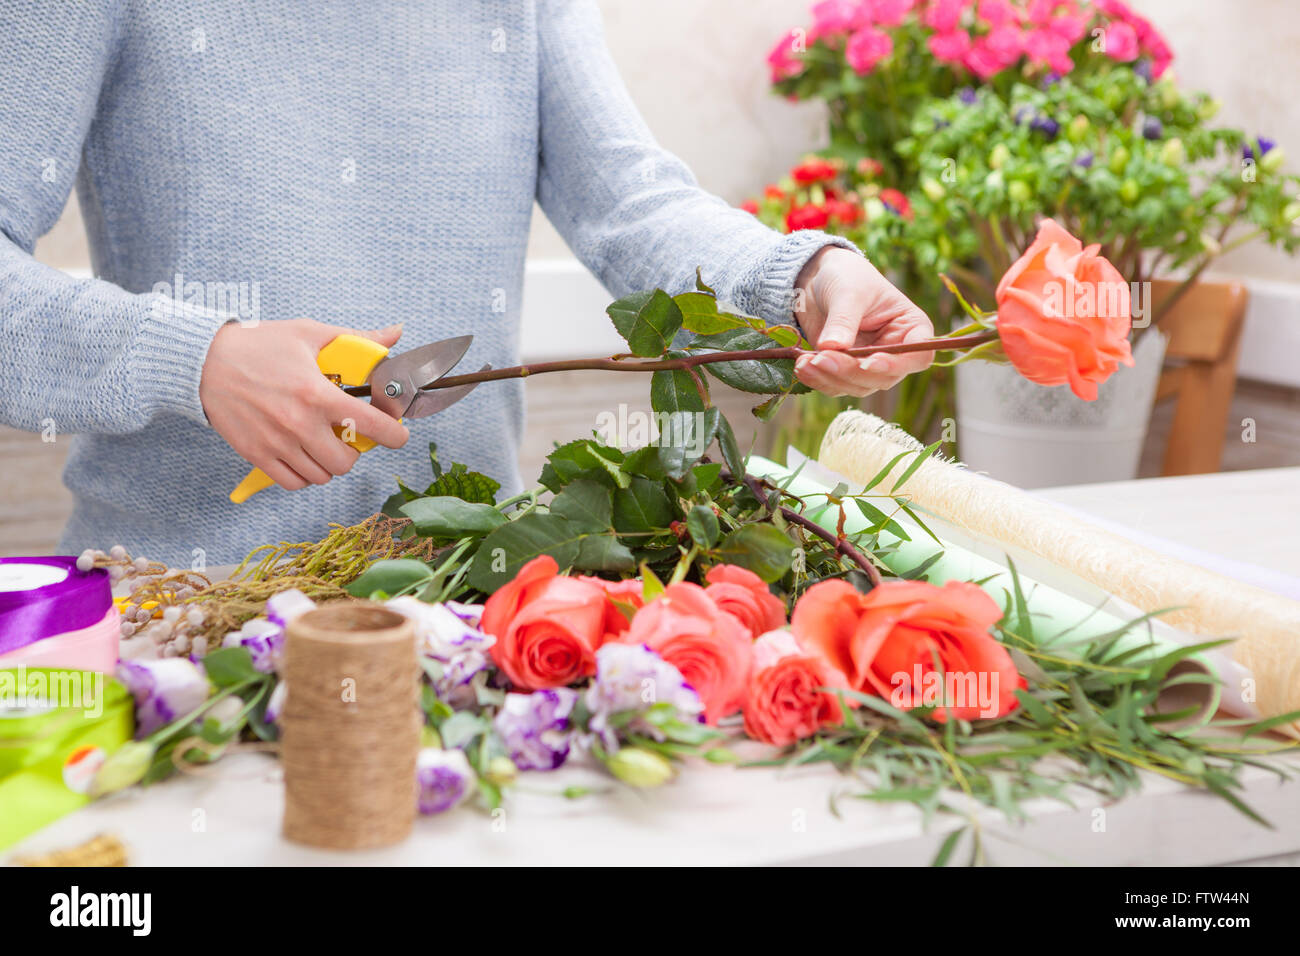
(968, 95)
(1265, 147)
(275, 703)
(1085, 161)
(444, 777)
(1144, 70)
(633, 678)
(264, 640)
(535, 727)
(164, 690)
(1152, 128)
(285, 607)
(449, 634)
(1045, 125)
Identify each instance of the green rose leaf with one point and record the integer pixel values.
(390, 576)
(604, 552)
(514, 544)
(648, 320)
(228, 666)
(643, 507)
(583, 459)
(677, 390)
(763, 377)
(762, 548)
(684, 438)
(702, 523)
(730, 449)
(447, 517)
(588, 506)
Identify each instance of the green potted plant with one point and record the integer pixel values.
(986, 117)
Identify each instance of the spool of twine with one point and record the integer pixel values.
(350, 730)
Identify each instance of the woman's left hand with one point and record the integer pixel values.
(844, 302)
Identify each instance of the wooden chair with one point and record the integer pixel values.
(1204, 329)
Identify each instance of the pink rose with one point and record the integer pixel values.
(709, 647)
(998, 13)
(783, 60)
(866, 48)
(1069, 26)
(620, 596)
(1006, 43)
(833, 16)
(950, 47)
(943, 16)
(888, 13)
(786, 701)
(547, 626)
(1121, 42)
(745, 596)
(1049, 49)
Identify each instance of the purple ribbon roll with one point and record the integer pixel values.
(42, 597)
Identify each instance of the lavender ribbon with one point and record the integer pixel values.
(79, 600)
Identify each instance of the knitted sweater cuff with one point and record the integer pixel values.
(168, 364)
(773, 297)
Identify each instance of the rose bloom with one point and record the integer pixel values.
(785, 701)
(618, 595)
(814, 171)
(1121, 41)
(887, 642)
(547, 627)
(1064, 313)
(807, 216)
(950, 47)
(866, 48)
(711, 649)
(896, 201)
(746, 596)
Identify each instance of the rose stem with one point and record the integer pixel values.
(706, 358)
(842, 545)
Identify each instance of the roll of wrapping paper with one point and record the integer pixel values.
(1265, 627)
(1062, 622)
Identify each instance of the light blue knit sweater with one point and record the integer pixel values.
(361, 163)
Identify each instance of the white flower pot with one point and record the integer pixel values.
(1036, 437)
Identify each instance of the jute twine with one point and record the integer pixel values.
(350, 730)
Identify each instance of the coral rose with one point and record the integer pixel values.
(786, 702)
(709, 647)
(888, 641)
(547, 626)
(623, 599)
(1064, 313)
(745, 595)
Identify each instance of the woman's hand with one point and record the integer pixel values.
(845, 302)
(263, 394)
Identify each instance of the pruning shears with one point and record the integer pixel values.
(397, 385)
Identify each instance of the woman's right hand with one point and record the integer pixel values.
(263, 393)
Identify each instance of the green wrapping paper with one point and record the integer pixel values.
(1062, 622)
(56, 728)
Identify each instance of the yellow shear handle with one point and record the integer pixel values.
(348, 360)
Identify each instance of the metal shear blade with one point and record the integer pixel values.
(396, 383)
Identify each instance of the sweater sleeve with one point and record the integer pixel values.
(631, 211)
(85, 354)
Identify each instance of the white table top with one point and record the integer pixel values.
(715, 815)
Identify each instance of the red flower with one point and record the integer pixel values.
(807, 216)
(897, 202)
(773, 192)
(750, 206)
(870, 167)
(844, 212)
(814, 171)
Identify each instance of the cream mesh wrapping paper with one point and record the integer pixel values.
(1265, 626)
